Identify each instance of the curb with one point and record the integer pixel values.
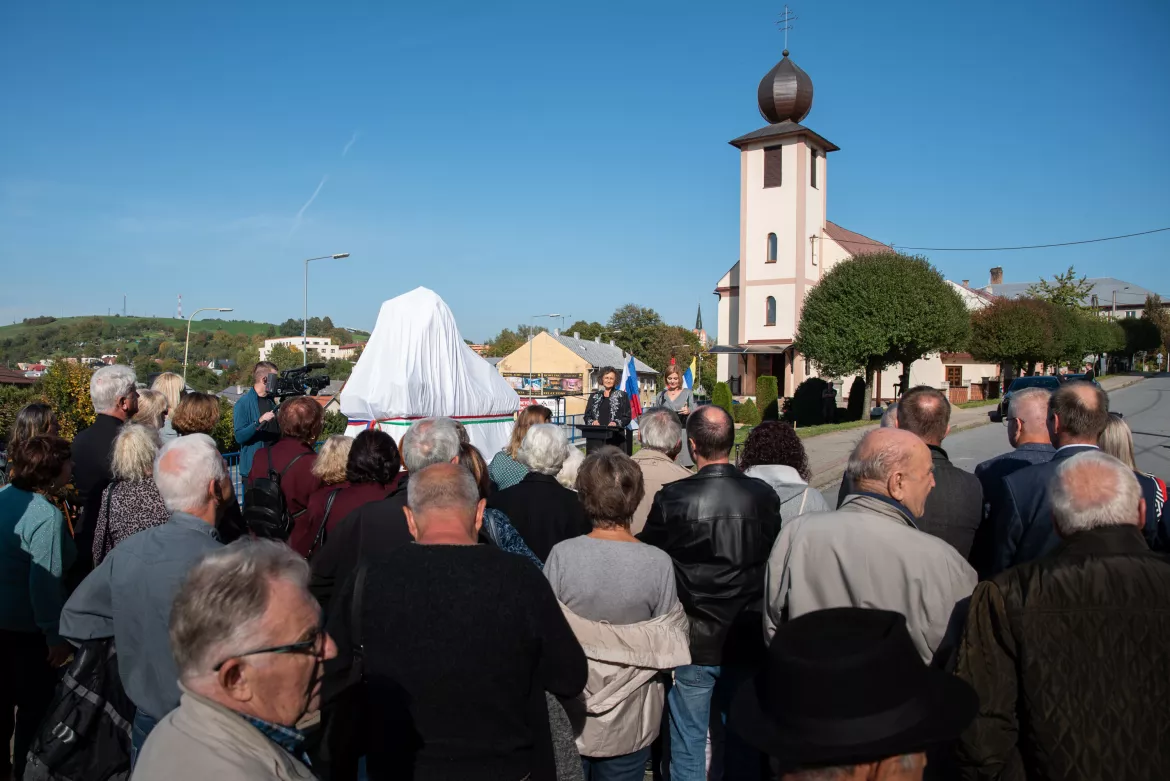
(837, 470)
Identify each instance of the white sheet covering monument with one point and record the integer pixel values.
(416, 365)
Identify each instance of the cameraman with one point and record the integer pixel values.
(254, 417)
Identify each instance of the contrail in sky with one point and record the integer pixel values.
(348, 144)
(308, 203)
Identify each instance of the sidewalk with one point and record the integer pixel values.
(828, 453)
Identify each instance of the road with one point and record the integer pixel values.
(1146, 407)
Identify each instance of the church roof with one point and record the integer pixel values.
(784, 129)
(785, 93)
(853, 243)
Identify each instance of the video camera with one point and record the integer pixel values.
(297, 382)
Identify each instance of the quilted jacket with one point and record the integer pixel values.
(1068, 654)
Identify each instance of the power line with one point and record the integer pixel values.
(1006, 249)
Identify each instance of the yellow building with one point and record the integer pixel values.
(561, 371)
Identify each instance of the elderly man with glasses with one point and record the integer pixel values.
(250, 649)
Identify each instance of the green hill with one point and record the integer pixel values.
(148, 326)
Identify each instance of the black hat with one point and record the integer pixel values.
(846, 686)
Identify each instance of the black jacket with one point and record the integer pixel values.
(370, 532)
(600, 410)
(954, 507)
(93, 450)
(718, 526)
(1022, 521)
(543, 511)
(1068, 656)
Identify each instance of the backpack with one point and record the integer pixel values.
(265, 509)
(86, 732)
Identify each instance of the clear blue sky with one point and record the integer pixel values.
(533, 157)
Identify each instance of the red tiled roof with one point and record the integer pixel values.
(853, 243)
(13, 377)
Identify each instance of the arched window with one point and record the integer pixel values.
(772, 248)
(770, 311)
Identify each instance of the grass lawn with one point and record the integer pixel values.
(741, 434)
(974, 404)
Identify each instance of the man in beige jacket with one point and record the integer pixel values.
(661, 435)
(250, 649)
(869, 553)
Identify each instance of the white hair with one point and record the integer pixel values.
(1030, 404)
(110, 383)
(660, 430)
(568, 474)
(889, 417)
(182, 480)
(544, 449)
(1093, 489)
(134, 450)
(220, 606)
(430, 441)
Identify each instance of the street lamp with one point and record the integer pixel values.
(187, 347)
(531, 338)
(305, 326)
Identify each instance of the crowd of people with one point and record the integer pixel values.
(436, 613)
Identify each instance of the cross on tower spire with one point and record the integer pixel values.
(785, 24)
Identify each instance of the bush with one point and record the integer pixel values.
(721, 397)
(224, 432)
(857, 408)
(13, 398)
(747, 413)
(335, 423)
(767, 394)
(807, 407)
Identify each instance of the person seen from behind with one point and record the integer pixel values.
(197, 413)
(718, 526)
(662, 440)
(775, 454)
(171, 386)
(619, 597)
(496, 529)
(152, 410)
(249, 649)
(35, 551)
(1117, 441)
(131, 502)
(128, 596)
(371, 471)
(1067, 652)
(459, 643)
(504, 469)
(292, 458)
(540, 508)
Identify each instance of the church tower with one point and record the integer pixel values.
(782, 197)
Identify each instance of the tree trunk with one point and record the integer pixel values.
(869, 372)
(905, 379)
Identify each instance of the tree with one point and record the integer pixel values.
(767, 393)
(270, 332)
(633, 325)
(1011, 332)
(721, 396)
(338, 368)
(747, 413)
(661, 342)
(65, 386)
(285, 356)
(876, 310)
(586, 330)
(1156, 313)
(504, 343)
(224, 432)
(290, 327)
(13, 398)
(1064, 290)
(335, 423)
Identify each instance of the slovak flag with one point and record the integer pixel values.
(630, 386)
(689, 375)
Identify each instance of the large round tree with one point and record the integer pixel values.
(877, 310)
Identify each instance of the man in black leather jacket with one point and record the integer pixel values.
(718, 525)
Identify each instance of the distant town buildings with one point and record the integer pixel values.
(1129, 297)
(324, 347)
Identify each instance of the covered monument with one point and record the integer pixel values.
(416, 365)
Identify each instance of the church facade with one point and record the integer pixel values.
(786, 242)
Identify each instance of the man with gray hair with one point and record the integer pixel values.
(375, 529)
(464, 638)
(249, 648)
(114, 394)
(661, 434)
(128, 596)
(1068, 651)
(869, 552)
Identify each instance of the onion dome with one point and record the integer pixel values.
(786, 93)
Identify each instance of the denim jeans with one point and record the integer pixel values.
(628, 767)
(698, 703)
(139, 730)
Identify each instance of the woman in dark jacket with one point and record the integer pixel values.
(371, 474)
(608, 406)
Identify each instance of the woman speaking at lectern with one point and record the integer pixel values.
(608, 406)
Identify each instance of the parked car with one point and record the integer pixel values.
(1079, 378)
(1019, 383)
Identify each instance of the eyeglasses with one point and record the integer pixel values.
(310, 647)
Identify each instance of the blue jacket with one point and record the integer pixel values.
(1022, 523)
(128, 597)
(35, 551)
(248, 434)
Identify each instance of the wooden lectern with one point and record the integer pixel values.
(597, 437)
